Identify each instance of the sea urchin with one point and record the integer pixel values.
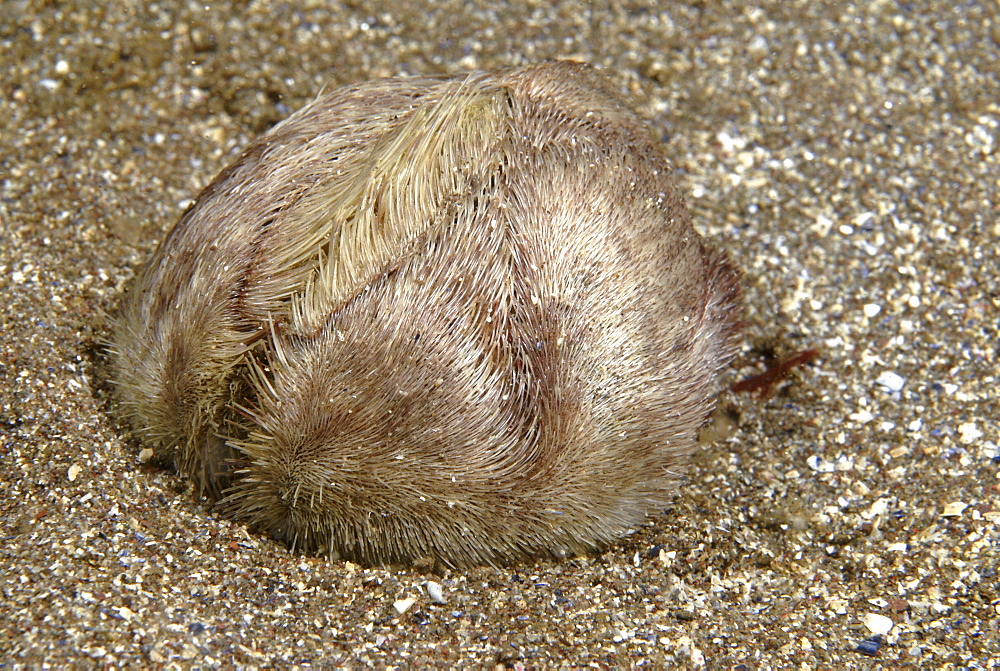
(460, 318)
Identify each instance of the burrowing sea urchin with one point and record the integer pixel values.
(463, 318)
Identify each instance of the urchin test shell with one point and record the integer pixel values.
(457, 318)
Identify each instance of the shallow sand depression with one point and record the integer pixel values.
(845, 157)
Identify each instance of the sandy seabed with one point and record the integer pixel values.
(845, 155)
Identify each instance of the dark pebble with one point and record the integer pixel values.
(869, 646)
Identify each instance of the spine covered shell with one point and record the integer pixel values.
(461, 318)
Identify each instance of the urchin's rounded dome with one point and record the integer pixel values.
(463, 318)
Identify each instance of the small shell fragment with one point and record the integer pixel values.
(877, 624)
(891, 381)
(968, 433)
(954, 509)
(403, 605)
(435, 592)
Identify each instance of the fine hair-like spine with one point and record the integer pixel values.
(464, 318)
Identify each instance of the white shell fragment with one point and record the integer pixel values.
(891, 381)
(435, 592)
(403, 605)
(877, 624)
(969, 433)
(954, 509)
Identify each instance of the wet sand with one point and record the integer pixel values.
(847, 159)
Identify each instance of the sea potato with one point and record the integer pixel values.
(461, 318)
